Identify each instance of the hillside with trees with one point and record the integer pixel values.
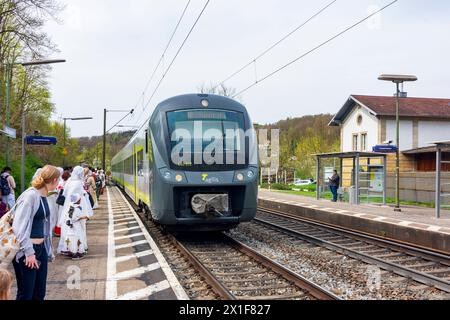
(302, 138)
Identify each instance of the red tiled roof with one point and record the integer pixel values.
(409, 107)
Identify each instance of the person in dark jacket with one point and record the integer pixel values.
(335, 181)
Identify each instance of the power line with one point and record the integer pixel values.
(175, 57)
(161, 59)
(314, 49)
(178, 52)
(276, 43)
(166, 48)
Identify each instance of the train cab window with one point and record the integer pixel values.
(200, 129)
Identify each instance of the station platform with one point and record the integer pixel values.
(123, 263)
(414, 225)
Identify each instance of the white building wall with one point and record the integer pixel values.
(350, 127)
(432, 131)
(406, 133)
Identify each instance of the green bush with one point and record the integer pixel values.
(31, 165)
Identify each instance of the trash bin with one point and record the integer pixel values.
(352, 195)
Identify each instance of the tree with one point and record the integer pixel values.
(220, 89)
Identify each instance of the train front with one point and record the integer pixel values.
(206, 163)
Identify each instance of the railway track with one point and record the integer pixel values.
(429, 268)
(237, 272)
(215, 266)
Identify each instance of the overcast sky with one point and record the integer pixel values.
(112, 46)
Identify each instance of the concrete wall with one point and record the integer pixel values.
(350, 127)
(418, 186)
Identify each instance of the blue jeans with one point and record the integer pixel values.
(10, 200)
(334, 191)
(32, 283)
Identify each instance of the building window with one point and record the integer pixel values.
(363, 141)
(359, 120)
(355, 142)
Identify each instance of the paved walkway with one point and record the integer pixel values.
(123, 263)
(415, 217)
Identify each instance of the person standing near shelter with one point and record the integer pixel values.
(31, 226)
(8, 187)
(335, 181)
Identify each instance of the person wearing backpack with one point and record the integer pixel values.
(7, 187)
(31, 226)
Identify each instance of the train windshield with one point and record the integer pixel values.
(207, 139)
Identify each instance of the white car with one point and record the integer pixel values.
(300, 182)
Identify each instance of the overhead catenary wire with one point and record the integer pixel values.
(273, 46)
(314, 49)
(174, 58)
(161, 59)
(126, 116)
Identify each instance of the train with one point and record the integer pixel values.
(193, 165)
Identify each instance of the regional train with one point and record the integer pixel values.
(193, 165)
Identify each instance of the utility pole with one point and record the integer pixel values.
(64, 138)
(105, 132)
(397, 79)
(22, 172)
(104, 140)
(8, 109)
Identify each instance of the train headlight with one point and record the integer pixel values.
(179, 178)
(205, 103)
(167, 175)
(240, 177)
(250, 174)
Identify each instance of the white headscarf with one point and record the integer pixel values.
(77, 174)
(75, 186)
(74, 198)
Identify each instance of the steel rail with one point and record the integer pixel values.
(418, 276)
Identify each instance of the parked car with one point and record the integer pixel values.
(306, 182)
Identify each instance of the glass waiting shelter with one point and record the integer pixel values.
(362, 176)
(442, 197)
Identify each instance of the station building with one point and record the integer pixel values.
(367, 121)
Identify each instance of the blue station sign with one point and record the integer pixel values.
(41, 141)
(385, 148)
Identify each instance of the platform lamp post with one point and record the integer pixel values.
(397, 79)
(106, 111)
(28, 64)
(64, 137)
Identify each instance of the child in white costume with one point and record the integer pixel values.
(75, 232)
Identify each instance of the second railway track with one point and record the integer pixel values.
(429, 268)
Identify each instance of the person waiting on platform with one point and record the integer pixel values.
(7, 187)
(31, 226)
(334, 185)
(75, 237)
